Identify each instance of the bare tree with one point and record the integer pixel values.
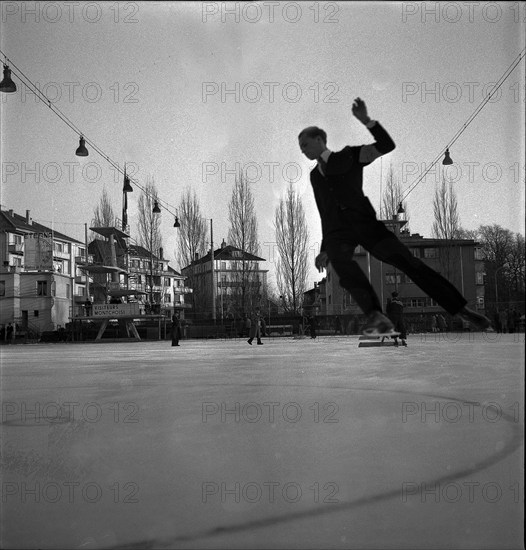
(392, 198)
(447, 227)
(191, 243)
(292, 238)
(497, 246)
(191, 236)
(243, 234)
(149, 230)
(516, 264)
(103, 215)
(472, 234)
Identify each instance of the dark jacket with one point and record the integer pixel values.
(341, 190)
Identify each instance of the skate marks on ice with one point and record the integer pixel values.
(513, 442)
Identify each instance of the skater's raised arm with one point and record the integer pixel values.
(383, 144)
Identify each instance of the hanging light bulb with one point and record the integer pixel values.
(176, 223)
(81, 149)
(156, 209)
(7, 85)
(400, 209)
(447, 159)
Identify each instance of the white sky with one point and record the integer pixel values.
(141, 70)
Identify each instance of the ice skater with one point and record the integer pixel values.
(348, 219)
(176, 329)
(395, 312)
(255, 327)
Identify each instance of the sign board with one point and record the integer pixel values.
(38, 251)
(116, 310)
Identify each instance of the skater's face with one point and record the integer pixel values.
(312, 148)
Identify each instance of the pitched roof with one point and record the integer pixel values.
(228, 252)
(16, 222)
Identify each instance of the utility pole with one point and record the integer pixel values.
(214, 289)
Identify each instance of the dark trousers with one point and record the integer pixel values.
(176, 334)
(385, 246)
(399, 325)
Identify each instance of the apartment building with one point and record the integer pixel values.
(39, 277)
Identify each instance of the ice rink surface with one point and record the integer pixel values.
(298, 443)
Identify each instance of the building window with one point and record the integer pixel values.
(330, 299)
(430, 253)
(166, 281)
(479, 278)
(167, 298)
(81, 291)
(480, 302)
(41, 288)
(35, 313)
(417, 302)
(68, 291)
(479, 254)
(223, 265)
(415, 252)
(393, 278)
(2, 288)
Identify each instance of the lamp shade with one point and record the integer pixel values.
(400, 209)
(176, 222)
(81, 149)
(7, 85)
(447, 159)
(156, 209)
(127, 186)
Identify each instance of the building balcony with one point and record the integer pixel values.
(80, 279)
(81, 260)
(16, 248)
(182, 290)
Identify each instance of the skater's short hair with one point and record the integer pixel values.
(394, 294)
(313, 132)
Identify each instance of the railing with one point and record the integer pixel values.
(16, 248)
(82, 259)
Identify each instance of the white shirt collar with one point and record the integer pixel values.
(325, 157)
(325, 154)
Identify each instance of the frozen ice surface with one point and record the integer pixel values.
(298, 443)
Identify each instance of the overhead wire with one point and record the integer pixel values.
(486, 99)
(34, 88)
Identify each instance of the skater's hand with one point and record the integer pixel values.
(359, 110)
(321, 261)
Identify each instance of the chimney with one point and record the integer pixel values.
(28, 219)
(11, 214)
(223, 244)
(196, 257)
(161, 253)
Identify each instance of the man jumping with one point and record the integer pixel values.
(348, 219)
